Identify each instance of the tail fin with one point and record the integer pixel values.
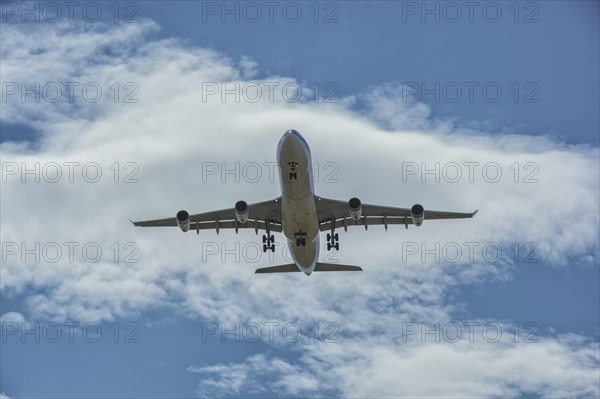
(320, 267)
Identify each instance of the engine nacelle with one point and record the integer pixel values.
(183, 220)
(355, 207)
(241, 211)
(417, 213)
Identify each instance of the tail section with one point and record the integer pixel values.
(320, 267)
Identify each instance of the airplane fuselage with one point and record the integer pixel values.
(298, 209)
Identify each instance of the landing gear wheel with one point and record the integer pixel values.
(268, 242)
(297, 242)
(332, 239)
(293, 176)
(303, 242)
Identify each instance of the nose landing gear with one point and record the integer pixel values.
(300, 239)
(293, 174)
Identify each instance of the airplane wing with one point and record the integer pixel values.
(335, 213)
(259, 215)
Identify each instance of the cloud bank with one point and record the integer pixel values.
(546, 194)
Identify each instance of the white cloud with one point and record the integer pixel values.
(258, 374)
(248, 67)
(12, 317)
(369, 367)
(390, 106)
(171, 131)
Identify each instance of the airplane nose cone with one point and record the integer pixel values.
(292, 142)
(293, 135)
(289, 137)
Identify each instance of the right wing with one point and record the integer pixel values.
(334, 212)
(259, 215)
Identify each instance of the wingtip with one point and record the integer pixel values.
(132, 222)
(475, 213)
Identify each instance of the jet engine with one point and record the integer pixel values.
(417, 213)
(355, 208)
(183, 220)
(241, 211)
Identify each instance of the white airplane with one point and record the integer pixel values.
(300, 214)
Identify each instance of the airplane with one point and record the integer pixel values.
(300, 214)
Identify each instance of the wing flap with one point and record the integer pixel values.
(231, 224)
(371, 221)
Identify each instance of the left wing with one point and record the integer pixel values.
(334, 213)
(259, 215)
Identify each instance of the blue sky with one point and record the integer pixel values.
(372, 61)
(370, 45)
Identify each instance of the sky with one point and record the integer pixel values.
(135, 110)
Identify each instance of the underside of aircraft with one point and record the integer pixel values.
(300, 214)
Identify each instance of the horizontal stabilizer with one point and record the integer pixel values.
(320, 267)
(334, 267)
(279, 269)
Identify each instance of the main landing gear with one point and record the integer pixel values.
(333, 238)
(268, 241)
